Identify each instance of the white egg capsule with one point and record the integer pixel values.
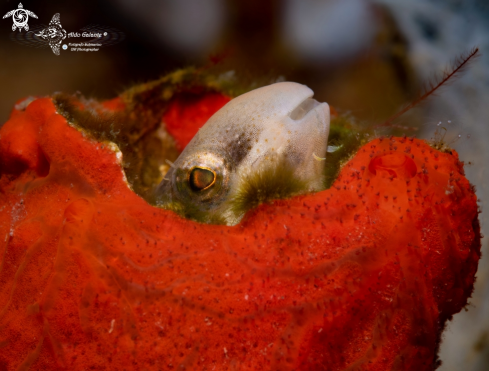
(276, 126)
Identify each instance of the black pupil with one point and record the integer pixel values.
(200, 179)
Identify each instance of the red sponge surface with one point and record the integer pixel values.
(187, 113)
(360, 276)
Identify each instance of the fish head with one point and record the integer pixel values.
(277, 129)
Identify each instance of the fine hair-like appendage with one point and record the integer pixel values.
(448, 75)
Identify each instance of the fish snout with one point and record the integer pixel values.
(309, 130)
(296, 135)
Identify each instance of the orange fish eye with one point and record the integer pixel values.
(201, 178)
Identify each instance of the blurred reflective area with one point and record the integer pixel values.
(363, 57)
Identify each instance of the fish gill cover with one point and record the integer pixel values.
(362, 275)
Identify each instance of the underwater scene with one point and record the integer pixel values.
(228, 185)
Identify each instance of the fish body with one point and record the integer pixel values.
(277, 129)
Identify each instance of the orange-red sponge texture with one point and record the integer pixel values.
(360, 276)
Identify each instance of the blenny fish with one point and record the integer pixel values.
(269, 140)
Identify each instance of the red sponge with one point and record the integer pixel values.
(361, 276)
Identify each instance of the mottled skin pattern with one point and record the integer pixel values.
(362, 276)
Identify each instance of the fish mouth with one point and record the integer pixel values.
(308, 105)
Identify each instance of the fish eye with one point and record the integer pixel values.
(201, 178)
(202, 181)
